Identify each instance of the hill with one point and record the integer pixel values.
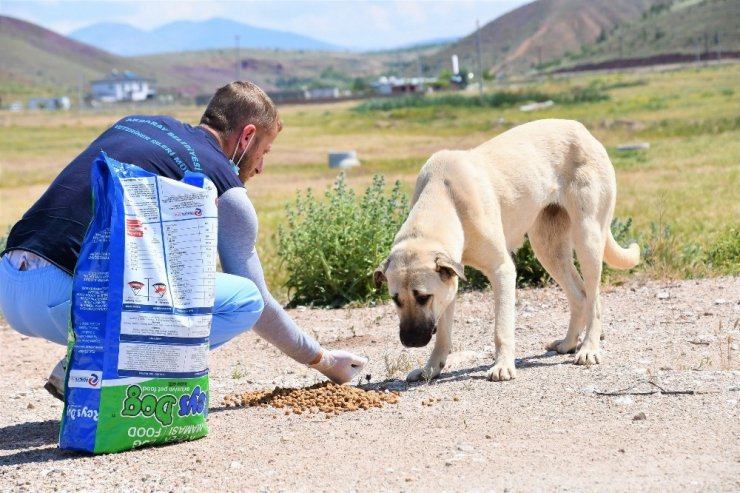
(34, 59)
(687, 29)
(538, 32)
(558, 34)
(181, 36)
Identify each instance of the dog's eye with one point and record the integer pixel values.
(396, 300)
(422, 299)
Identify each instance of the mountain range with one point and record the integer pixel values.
(545, 35)
(125, 40)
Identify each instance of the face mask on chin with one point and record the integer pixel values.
(235, 166)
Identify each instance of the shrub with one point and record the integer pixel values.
(665, 256)
(529, 271)
(621, 231)
(330, 248)
(499, 99)
(476, 280)
(723, 255)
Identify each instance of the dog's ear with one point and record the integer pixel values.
(379, 275)
(448, 267)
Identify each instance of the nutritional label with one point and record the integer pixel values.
(169, 277)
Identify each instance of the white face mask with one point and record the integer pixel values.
(235, 166)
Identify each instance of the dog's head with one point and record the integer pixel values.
(422, 283)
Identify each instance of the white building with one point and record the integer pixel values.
(123, 86)
(399, 85)
(323, 93)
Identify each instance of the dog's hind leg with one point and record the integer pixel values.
(589, 243)
(442, 346)
(550, 238)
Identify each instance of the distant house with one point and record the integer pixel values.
(323, 93)
(395, 85)
(123, 86)
(297, 95)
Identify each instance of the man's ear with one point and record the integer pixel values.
(247, 132)
(448, 267)
(379, 275)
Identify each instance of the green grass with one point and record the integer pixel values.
(686, 180)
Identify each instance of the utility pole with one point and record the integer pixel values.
(477, 49)
(238, 61)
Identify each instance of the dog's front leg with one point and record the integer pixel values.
(442, 346)
(504, 284)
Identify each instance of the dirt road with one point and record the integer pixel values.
(660, 414)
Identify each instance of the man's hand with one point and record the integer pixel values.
(340, 366)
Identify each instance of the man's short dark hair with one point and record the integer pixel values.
(238, 104)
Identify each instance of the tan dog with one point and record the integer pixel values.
(549, 179)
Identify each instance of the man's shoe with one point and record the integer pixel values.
(55, 383)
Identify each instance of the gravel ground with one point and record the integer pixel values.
(659, 414)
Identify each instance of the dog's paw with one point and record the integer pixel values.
(501, 372)
(423, 374)
(562, 346)
(588, 357)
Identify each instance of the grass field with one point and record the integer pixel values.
(687, 179)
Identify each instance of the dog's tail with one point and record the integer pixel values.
(618, 257)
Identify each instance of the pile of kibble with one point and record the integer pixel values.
(327, 397)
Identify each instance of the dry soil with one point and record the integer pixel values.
(659, 414)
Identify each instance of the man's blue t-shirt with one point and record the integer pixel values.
(55, 225)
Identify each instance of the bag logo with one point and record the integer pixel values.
(85, 379)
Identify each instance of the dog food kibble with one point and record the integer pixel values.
(328, 398)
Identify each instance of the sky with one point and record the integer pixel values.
(363, 24)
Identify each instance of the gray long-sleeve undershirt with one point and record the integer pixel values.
(237, 236)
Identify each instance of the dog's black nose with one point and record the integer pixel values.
(415, 339)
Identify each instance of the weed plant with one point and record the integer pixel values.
(330, 248)
(724, 254)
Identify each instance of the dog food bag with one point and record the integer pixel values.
(142, 305)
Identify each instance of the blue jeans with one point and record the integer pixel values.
(37, 303)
